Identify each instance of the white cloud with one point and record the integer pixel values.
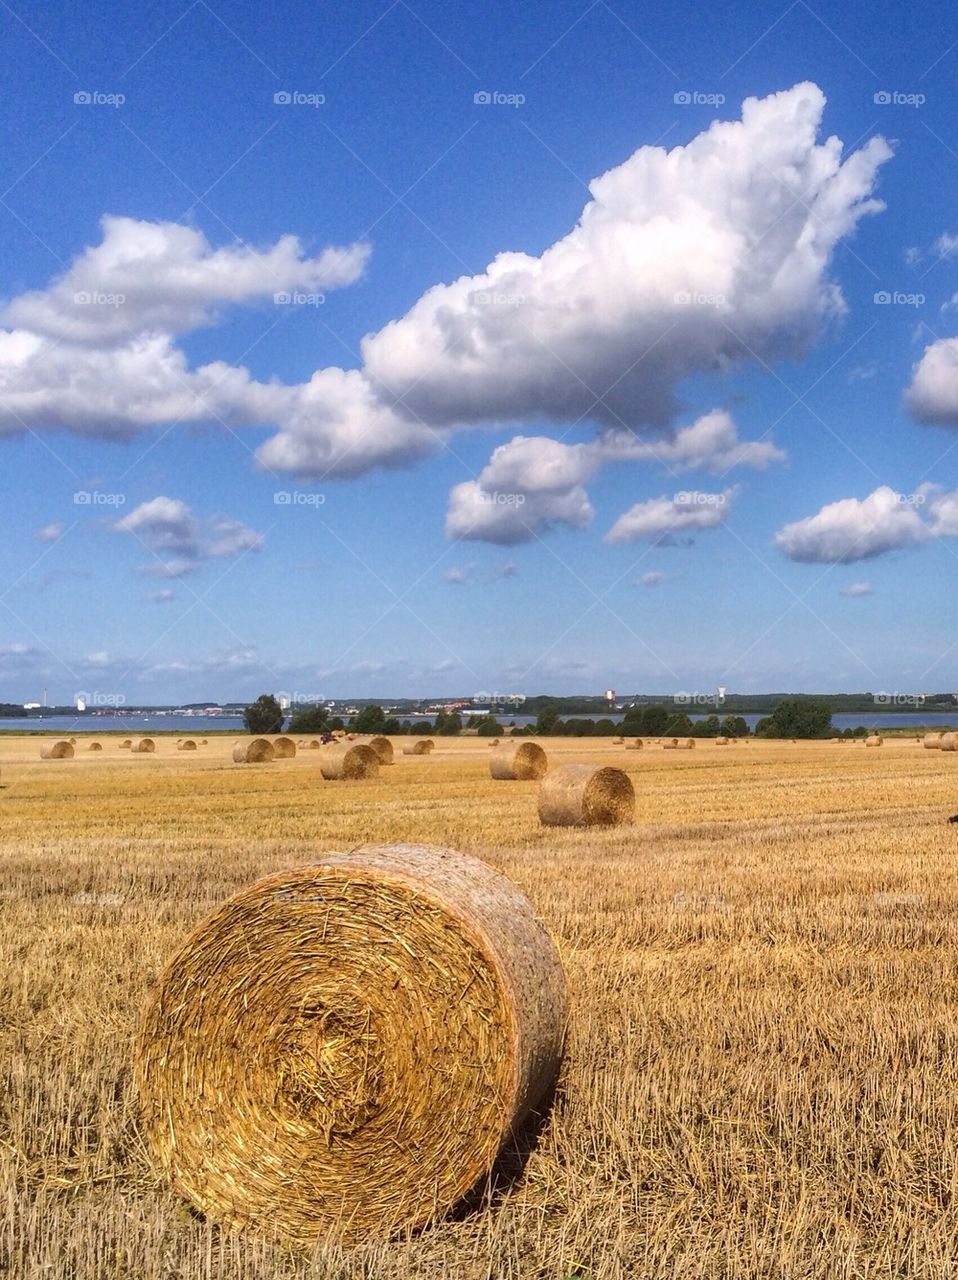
(854, 529)
(946, 246)
(711, 443)
(651, 579)
(50, 532)
(168, 526)
(458, 575)
(690, 509)
(942, 512)
(163, 596)
(856, 589)
(933, 394)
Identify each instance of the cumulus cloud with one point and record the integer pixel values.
(932, 395)
(855, 529)
(50, 532)
(651, 579)
(856, 589)
(458, 574)
(163, 596)
(711, 443)
(663, 517)
(181, 541)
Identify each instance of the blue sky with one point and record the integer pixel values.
(729, 287)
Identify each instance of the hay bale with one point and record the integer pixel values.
(517, 761)
(874, 740)
(420, 748)
(637, 744)
(341, 1050)
(949, 742)
(204, 742)
(932, 741)
(721, 742)
(187, 745)
(617, 742)
(73, 742)
(60, 750)
(585, 795)
(493, 742)
(253, 751)
(126, 744)
(315, 744)
(95, 746)
(349, 761)
(145, 746)
(284, 748)
(383, 748)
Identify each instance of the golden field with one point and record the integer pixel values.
(762, 1071)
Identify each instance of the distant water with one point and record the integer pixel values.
(870, 719)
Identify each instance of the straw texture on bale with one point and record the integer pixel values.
(144, 746)
(383, 748)
(949, 742)
(493, 742)
(617, 742)
(315, 745)
(874, 740)
(932, 741)
(721, 742)
(348, 760)
(518, 762)
(126, 744)
(585, 795)
(420, 748)
(61, 750)
(284, 748)
(636, 744)
(95, 746)
(253, 751)
(186, 745)
(341, 1050)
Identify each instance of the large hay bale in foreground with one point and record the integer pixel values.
(949, 742)
(253, 751)
(932, 741)
(874, 740)
(186, 745)
(342, 1049)
(585, 795)
(284, 748)
(518, 762)
(61, 750)
(95, 746)
(348, 760)
(420, 748)
(145, 746)
(383, 748)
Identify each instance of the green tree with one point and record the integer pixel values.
(547, 719)
(392, 725)
(677, 726)
(309, 720)
(489, 727)
(797, 718)
(370, 720)
(605, 728)
(735, 727)
(265, 715)
(653, 721)
(710, 727)
(448, 723)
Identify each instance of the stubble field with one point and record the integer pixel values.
(761, 1077)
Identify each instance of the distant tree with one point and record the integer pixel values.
(605, 728)
(448, 723)
(265, 715)
(370, 720)
(677, 726)
(652, 721)
(709, 727)
(337, 722)
(735, 727)
(797, 718)
(392, 725)
(547, 719)
(420, 726)
(489, 727)
(309, 720)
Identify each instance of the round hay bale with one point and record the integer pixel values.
(932, 741)
(314, 745)
(204, 742)
(518, 762)
(617, 742)
(383, 748)
(73, 742)
(420, 748)
(874, 740)
(253, 751)
(949, 742)
(187, 745)
(95, 746)
(493, 742)
(349, 761)
(341, 1050)
(636, 744)
(145, 746)
(284, 748)
(126, 744)
(721, 742)
(61, 750)
(585, 795)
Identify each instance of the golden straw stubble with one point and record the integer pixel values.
(341, 1050)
